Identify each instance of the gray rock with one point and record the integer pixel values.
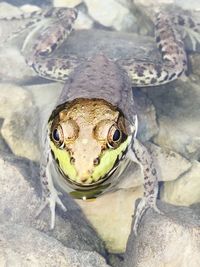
(21, 177)
(177, 108)
(185, 190)
(20, 125)
(171, 239)
(120, 18)
(25, 246)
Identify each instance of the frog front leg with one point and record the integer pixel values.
(49, 192)
(139, 153)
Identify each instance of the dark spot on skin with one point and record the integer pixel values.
(57, 161)
(180, 73)
(147, 169)
(146, 177)
(153, 80)
(153, 172)
(53, 47)
(158, 39)
(172, 76)
(191, 23)
(181, 21)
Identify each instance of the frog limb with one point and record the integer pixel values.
(48, 41)
(50, 194)
(140, 154)
(174, 60)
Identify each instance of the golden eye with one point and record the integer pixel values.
(57, 135)
(114, 136)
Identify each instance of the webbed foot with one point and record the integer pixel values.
(52, 200)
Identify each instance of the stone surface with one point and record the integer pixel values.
(24, 246)
(185, 190)
(15, 68)
(177, 107)
(111, 216)
(20, 123)
(171, 239)
(66, 3)
(169, 164)
(21, 177)
(120, 18)
(83, 21)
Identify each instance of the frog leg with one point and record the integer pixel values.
(50, 38)
(189, 25)
(139, 153)
(50, 194)
(174, 59)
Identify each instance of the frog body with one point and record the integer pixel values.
(90, 136)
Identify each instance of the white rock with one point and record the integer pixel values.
(29, 8)
(151, 3)
(9, 11)
(185, 190)
(19, 128)
(66, 3)
(111, 216)
(111, 14)
(83, 22)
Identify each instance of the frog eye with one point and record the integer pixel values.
(57, 135)
(114, 136)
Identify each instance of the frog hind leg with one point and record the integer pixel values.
(174, 59)
(140, 154)
(51, 37)
(51, 196)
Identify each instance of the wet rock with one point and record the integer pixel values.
(171, 239)
(169, 164)
(111, 216)
(177, 108)
(66, 3)
(120, 18)
(25, 246)
(15, 68)
(83, 22)
(21, 191)
(185, 190)
(20, 123)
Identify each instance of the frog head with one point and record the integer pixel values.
(87, 139)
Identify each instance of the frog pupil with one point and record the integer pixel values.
(56, 135)
(116, 135)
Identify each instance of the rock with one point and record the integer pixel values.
(111, 216)
(159, 236)
(20, 124)
(66, 3)
(192, 4)
(83, 22)
(21, 177)
(24, 246)
(151, 3)
(185, 190)
(177, 108)
(120, 18)
(29, 8)
(9, 10)
(15, 68)
(169, 164)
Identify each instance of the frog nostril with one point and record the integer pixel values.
(96, 161)
(72, 160)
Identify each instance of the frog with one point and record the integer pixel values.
(91, 134)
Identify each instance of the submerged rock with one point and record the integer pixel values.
(25, 246)
(171, 239)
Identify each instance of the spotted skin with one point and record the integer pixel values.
(112, 78)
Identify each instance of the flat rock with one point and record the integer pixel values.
(177, 108)
(20, 123)
(120, 18)
(185, 190)
(25, 246)
(171, 239)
